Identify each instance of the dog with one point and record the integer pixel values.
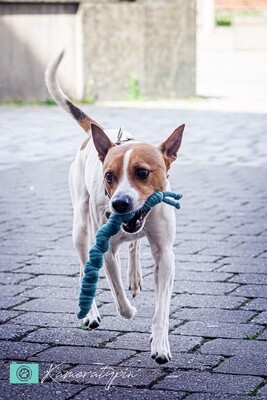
(116, 171)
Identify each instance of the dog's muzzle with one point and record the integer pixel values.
(122, 204)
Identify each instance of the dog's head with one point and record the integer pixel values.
(133, 171)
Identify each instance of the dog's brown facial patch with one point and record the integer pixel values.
(142, 159)
(147, 159)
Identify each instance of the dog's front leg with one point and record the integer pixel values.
(161, 242)
(113, 273)
(163, 281)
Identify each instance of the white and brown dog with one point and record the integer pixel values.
(131, 171)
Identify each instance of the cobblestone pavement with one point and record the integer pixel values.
(212, 137)
(218, 310)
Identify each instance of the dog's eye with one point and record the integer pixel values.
(141, 173)
(109, 177)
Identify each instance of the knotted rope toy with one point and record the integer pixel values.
(101, 246)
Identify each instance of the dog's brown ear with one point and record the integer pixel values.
(101, 141)
(171, 145)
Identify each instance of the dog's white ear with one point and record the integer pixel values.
(101, 141)
(171, 145)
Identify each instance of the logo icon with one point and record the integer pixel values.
(24, 373)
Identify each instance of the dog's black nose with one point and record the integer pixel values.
(122, 203)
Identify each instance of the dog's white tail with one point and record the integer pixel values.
(62, 100)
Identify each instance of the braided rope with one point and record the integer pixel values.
(101, 246)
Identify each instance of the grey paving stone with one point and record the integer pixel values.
(8, 263)
(261, 318)
(52, 280)
(47, 391)
(140, 341)
(9, 302)
(81, 355)
(233, 347)
(251, 291)
(190, 247)
(207, 301)
(195, 266)
(215, 288)
(12, 331)
(19, 350)
(70, 336)
(145, 309)
(214, 315)
(56, 250)
(6, 315)
(239, 251)
(263, 336)
(256, 304)
(247, 229)
(12, 290)
(119, 393)
(195, 258)
(263, 392)
(37, 269)
(217, 329)
(106, 296)
(110, 310)
(206, 238)
(49, 305)
(179, 360)
(4, 368)
(201, 276)
(57, 260)
(257, 279)
(207, 382)
(246, 266)
(252, 364)
(24, 250)
(45, 319)
(135, 324)
(213, 396)
(55, 292)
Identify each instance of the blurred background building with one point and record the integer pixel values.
(113, 48)
(232, 51)
(135, 49)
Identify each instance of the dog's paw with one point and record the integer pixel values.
(160, 352)
(92, 323)
(128, 312)
(135, 284)
(135, 287)
(161, 358)
(92, 319)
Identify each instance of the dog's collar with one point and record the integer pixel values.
(119, 138)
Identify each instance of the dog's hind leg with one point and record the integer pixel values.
(134, 268)
(113, 273)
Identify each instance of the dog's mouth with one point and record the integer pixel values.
(136, 223)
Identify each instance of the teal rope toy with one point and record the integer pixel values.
(101, 246)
